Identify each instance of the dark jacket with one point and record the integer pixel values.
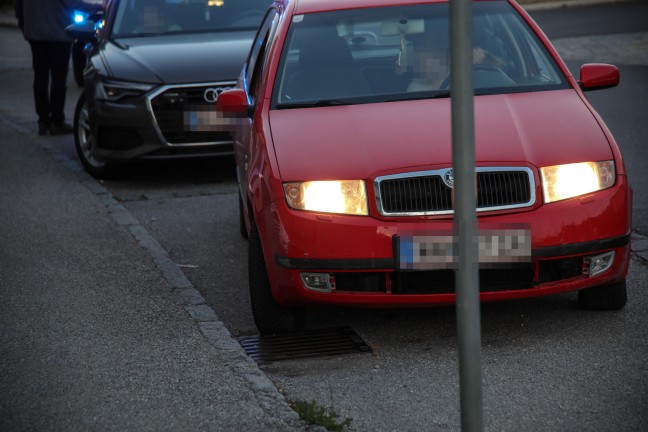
(45, 20)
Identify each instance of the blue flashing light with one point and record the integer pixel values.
(79, 17)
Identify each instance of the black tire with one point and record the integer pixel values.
(605, 297)
(269, 316)
(242, 227)
(78, 62)
(85, 140)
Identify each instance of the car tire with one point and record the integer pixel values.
(269, 316)
(84, 140)
(604, 297)
(242, 227)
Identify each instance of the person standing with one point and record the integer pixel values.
(43, 24)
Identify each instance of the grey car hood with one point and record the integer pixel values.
(187, 58)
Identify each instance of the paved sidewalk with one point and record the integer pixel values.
(107, 333)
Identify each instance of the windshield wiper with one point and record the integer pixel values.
(438, 95)
(319, 103)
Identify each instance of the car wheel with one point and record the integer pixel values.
(242, 227)
(605, 297)
(269, 316)
(84, 141)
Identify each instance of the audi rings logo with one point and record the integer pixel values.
(211, 94)
(448, 178)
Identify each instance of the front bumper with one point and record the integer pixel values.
(358, 253)
(132, 129)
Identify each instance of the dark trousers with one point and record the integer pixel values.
(50, 61)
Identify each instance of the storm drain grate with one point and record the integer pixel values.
(308, 343)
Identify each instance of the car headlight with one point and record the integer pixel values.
(115, 91)
(567, 181)
(331, 196)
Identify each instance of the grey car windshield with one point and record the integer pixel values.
(155, 17)
(395, 53)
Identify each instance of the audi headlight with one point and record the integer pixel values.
(333, 196)
(115, 91)
(567, 181)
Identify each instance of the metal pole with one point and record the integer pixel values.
(463, 160)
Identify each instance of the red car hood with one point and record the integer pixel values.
(362, 141)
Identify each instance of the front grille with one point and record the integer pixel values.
(560, 269)
(428, 193)
(502, 188)
(443, 281)
(360, 281)
(415, 194)
(514, 277)
(171, 105)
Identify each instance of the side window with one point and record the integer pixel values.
(256, 61)
(257, 72)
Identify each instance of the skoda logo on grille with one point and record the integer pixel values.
(448, 178)
(211, 94)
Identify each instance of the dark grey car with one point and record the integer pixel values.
(154, 66)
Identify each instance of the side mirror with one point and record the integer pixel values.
(83, 31)
(232, 111)
(598, 76)
(233, 101)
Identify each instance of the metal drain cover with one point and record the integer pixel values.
(309, 343)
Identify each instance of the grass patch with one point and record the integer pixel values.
(319, 415)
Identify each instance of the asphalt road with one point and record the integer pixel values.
(546, 364)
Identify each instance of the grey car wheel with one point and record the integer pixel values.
(85, 140)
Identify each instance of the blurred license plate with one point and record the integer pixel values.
(200, 121)
(434, 251)
(208, 120)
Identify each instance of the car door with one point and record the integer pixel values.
(251, 79)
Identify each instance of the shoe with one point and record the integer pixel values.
(43, 128)
(60, 128)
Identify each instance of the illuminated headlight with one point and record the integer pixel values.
(114, 91)
(345, 196)
(567, 181)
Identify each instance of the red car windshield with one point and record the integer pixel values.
(403, 52)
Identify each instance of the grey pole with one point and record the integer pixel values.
(463, 160)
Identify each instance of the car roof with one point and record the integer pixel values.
(309, 6)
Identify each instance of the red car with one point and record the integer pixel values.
(344, 160)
